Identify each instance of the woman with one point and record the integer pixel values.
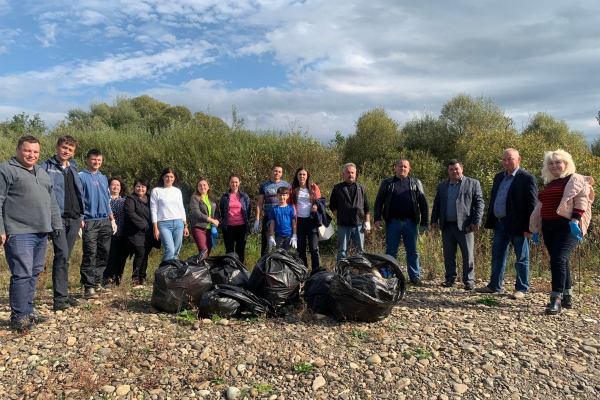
(235, 211)
(303, 197)
(117, 255)
(205, 216)
(562, 215)
(137, 230)
(168, 215)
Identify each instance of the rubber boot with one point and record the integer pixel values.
(567, 301)
(554, 307)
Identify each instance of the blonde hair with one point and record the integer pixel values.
(557, 155)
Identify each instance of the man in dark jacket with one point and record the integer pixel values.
(69, 195)
(402, 204)
(458, 206)
(29, 214)
(350, 206)
(514, 196)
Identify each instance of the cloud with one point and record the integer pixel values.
(49, 33)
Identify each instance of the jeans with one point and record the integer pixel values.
(345, 234)
(235, 237)
(26, 257)
(171, 236)
(117, 258)
(500, 247)
(306, 233)
(140, 262)
(451, 237)
(96, 237)
(408, 231)
(63, 247)
(560, 244)
(203, 240)
(282, 242)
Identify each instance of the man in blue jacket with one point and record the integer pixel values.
(29, 214)
(69, 195)
(99, 224)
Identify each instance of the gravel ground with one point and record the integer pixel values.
(438, 344)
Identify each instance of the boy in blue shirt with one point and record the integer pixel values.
(283, 223)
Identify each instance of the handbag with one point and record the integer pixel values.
(326, 232)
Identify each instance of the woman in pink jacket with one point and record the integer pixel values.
(562, 216)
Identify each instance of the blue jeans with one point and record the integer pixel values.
(408, 231)
(26, 258)
(500, 247)
(347, 233)
(171, 236)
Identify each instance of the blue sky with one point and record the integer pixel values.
(317, 64)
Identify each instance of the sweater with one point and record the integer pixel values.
(166, 204)
(96, 198)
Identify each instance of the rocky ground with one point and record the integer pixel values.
(438, 344)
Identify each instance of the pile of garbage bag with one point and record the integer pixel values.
(229, 300)
(316, 290)
(227, 270)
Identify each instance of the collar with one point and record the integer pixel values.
(514, 173)
(459, 181)
(61, 164)
(13, 161)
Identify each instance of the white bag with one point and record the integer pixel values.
(326, 233)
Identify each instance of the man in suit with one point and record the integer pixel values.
(514, 196)
(458, 206)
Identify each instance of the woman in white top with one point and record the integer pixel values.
(168, 215)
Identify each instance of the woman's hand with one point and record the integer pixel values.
(314, 208)
(186, 232)
(156, 234)
(214, 222)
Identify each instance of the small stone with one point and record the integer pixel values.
(332, 376)
(443, 397)
(104, 351)
(424, 361)
(232, 391)
(241, 368)
(107, 389)
(318, 383)
(41, 369)
(543, 371)
(590, 349)
(251, 360)
(122, 390)
(223, 322)
(374, 359)
(354, 365)
(203, 392)
(489, 368)
(319, 317)
(578, 368)
(319, 363)
(460, 388)
(402, 383)
(206, 321)
(71, 341)
(141, 329)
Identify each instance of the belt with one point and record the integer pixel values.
(501, 219)
(400, 219)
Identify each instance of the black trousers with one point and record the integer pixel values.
(140, 262)
(235, 240)
(560, 244)
(117, 258)
(306, 234)
(63, 247)
(264, 237)
(96, 244)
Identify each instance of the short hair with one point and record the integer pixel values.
(557, 155)
(234, 176)
(123, 191)
(276, 166)
(454, 161)
(93, 152)
(403, 159)
(161, 182)
(68, 139)
(142, 182)
(28, 139)
(348, 165)
(283, 190)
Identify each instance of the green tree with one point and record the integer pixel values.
(209, 122)
(464, 113)
(430, 134)
(555, 133)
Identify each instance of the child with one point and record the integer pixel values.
(283, 223)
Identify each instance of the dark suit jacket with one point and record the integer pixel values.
(469, 203)
(521, 200)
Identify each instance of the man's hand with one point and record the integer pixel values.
(2, 239)
(56, 234)
(527, 234)
(367, 227)
(378, 224)
(435, 226)
(474, 228)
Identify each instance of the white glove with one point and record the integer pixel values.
(256, 224)
(80, 233)
(271, 241)
(294, 241)
(367, 226)
(114, 226)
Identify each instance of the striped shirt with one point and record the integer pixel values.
(550, 198)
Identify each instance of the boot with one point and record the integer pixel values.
(567, 301)
(554, 306)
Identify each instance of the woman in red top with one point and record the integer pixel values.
(303, 197)
(235, 211)
(562, 215)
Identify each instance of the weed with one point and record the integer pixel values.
(586, 310)
(394, 328)
(243, 393)
(143, 293)
(303, 368)
(186, 317)
(105, 396)
(218, 380)
(263, 388)
(357, 333)
(215, 317)
(87, 306)
(147, 349)
(489, 301)
(422, 352)
(352, 344)
(253, 320)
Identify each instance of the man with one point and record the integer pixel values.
(69, 196)
(350, 206)
(99, 224)
(267, 199)
(29, 214)
(402, 203)
(514, 196)
(458, 206)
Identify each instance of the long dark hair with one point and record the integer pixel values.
(161, 183)
(296, 187)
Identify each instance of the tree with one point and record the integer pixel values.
(431, 134)
(464, 113)
(210, 123)
(22, 124)
(78, 115)
(555, 133)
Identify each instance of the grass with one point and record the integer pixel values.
(186, 317)
(218, 380)
(215, 317)
(357, 333)
(489, 301)
(419, 352)
(303, 368)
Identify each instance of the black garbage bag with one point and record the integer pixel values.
(316, 290)
(228, 300)
(356, 294)
(178, 285)
(228, 270)
(277, 277)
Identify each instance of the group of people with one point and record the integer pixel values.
(54, 199)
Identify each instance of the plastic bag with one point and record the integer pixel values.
(356, 294)
(228, 300)
(316, 290)
(228, 270)
(277, 277)
(178, 285)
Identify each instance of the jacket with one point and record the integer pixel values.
(320, 217)
(578, 194)
(469, 204)
(200, 212)
(350, 212)
(96, 197)
(384, 198)
(520, 202)
(317, 196)
(224, 209)
(27, 201)
(137, 227)
(54, 169)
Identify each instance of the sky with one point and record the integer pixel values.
(312, 65)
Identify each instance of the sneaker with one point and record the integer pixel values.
(468, 286)
(485, 289)
(416, 282)
(447, 284)
(90, 293)
(517, 295)
(72, 302)
(60, 305)
(22, 326)
(37, 318)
